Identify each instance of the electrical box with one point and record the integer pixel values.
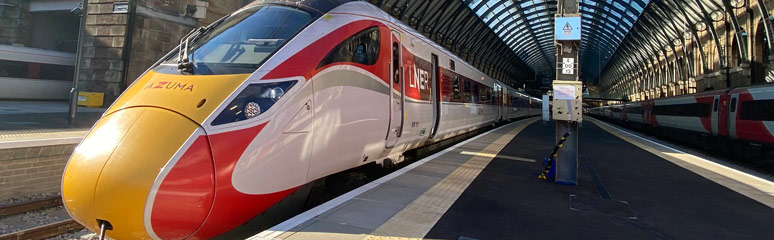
(568, 101)
(90, 99)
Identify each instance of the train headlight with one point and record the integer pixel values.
(254, 100)
(274, 93)
(252, 109)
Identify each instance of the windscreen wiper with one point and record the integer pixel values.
(184, 63)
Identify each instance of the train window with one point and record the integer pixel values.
(362, 48)
(715, 105)
(244, 40)
(456, 87)
(35, 70)
(476, 93)
(634, 110)
(733, 105)
(467, 90)
(758, 110)
(686, 110)
(451, 64)
(395, 62)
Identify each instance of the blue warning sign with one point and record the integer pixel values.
(567, 28)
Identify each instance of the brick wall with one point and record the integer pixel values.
(32, 170)
(152, 37)
(102, 61)
(15, 22)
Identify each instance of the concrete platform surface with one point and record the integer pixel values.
(487, 188)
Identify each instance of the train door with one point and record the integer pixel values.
(723, 115)
(396, 91)
(714, 119)
(732, 113)
(506, 103)
(498, 92)
(436, 95)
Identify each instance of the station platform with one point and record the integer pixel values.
(630, 187)
(41, 116)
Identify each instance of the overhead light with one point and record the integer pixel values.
(737, 3)
(700, 26)
(717, 15)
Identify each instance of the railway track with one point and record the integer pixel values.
(40, 232)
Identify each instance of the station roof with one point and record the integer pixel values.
(484, 28)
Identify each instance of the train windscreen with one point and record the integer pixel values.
(242, 41)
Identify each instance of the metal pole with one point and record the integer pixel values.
(74, 91)
(564, 108)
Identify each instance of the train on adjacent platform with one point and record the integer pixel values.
(737, 121)
(263, 102)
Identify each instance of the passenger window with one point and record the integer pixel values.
(715, 105)
(362, 48)
(451, 64)
(757, 110)
(455, 88)
(733, 105)
(467, 90)
(476, 93)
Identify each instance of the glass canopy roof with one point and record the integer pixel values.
(527, 27)
(513, 39)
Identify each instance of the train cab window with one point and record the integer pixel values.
(241, 42)
(362, 48)
(733, 105)
(715, 105)
(456, 88)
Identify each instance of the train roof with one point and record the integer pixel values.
(322, 6)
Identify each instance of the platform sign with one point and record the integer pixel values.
(567, 28)
(568, 65)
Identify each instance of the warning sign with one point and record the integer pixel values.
(567, 28)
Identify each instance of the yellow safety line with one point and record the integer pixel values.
(496, 156)
(416, 219)
(753, 187)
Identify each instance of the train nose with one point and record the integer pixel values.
(144, 170)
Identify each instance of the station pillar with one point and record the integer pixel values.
(567, 90)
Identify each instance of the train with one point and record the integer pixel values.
(737, 121)
(252, 109)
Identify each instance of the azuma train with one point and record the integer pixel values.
(737, 121)
(253, 108)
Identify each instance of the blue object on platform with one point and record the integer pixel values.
(552, 170)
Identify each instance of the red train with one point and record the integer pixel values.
(737, 121)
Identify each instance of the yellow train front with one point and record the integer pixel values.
(147, 169)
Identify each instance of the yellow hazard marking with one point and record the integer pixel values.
(496, 156)
(753, 187)
(327, 17)
(416, 219)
